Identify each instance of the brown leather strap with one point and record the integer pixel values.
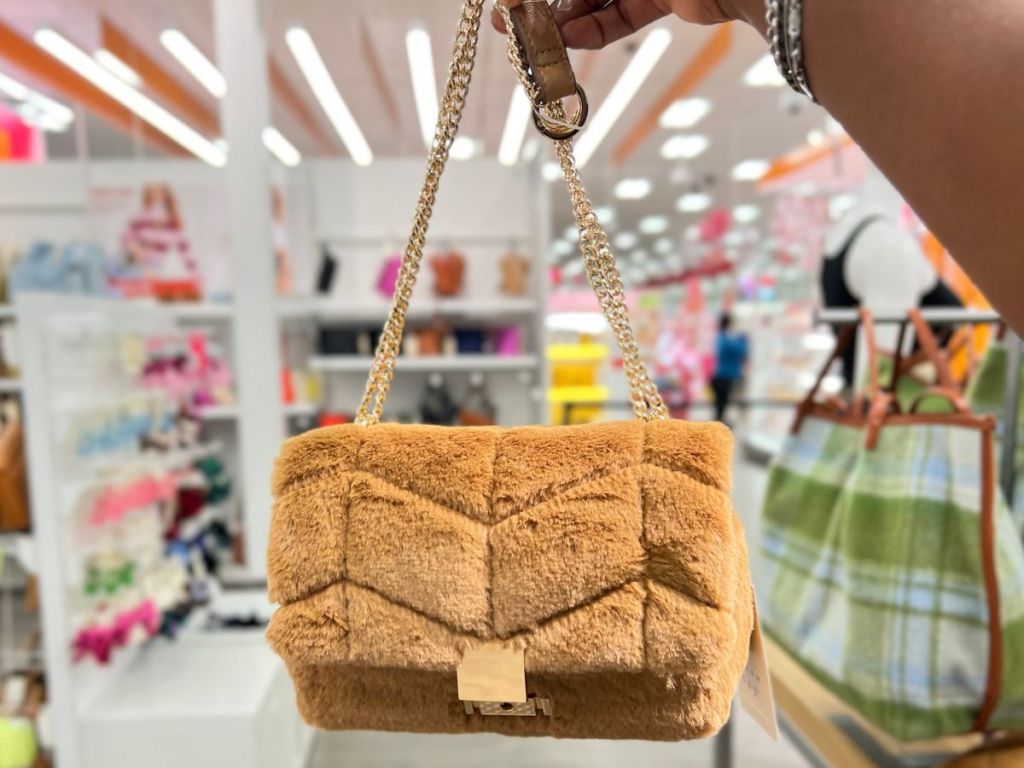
(994, 678)
(534, 25)
(930, 346)
(808, 403)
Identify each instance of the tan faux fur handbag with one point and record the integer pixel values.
(586, 581)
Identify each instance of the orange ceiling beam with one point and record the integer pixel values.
(376, 68)
(800, 159)
(36, 62)
(192, 109)
(282, 89)
(692, 75)
(167, 88)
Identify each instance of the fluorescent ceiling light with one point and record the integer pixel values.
(664, 245)
(195, 61)
(625, 240)
(118, 67)
(750, 170)
(733, 238)
(40, 118)
(39, 110)
(639, 256)
(572, 234)
(147, 109)
(13, 88)
(694, 202)
(280, 147)
(605, 214)
(551, 170)
(684, 147)
(518, 119)
(684, 113)
(315, 71)
(632, 189)
(653, 225)
(745, 214)
(424, 85)
(464, 148)
(764, 74)
(634, 75)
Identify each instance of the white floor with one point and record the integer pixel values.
(752, 748)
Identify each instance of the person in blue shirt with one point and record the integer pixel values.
(730, 358)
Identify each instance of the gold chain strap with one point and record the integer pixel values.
(597, 256)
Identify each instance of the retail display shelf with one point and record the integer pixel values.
(359, 364)
(198, 311)
(207, 703)
(9, 385)
(219, 413)
(377, 311)
(300, 409)
(156, 461)
(829, 732)
(231, 412)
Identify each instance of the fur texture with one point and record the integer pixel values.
(609, 551)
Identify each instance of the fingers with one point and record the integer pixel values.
(591, 24)
(496, 20)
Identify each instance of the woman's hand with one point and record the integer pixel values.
(596, 23)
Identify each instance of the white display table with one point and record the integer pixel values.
(198, 704)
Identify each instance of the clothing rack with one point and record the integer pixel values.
(953, 316)
(933, 315)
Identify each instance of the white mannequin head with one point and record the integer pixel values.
(878, 192)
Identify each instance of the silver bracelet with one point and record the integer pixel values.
(775, 15)
(785, 36)
(794, 21)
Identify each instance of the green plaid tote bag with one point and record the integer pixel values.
(894, 572)
(986, 393)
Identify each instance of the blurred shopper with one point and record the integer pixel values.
(730, 358)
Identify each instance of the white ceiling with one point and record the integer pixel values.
(744, 122)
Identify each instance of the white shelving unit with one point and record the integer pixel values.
(484, 212)
(460, 363)
(377, 311)
(151, 698)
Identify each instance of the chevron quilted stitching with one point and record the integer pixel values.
(607, 549)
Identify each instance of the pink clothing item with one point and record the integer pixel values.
(99, 641)
(114, 503)
(508, 342)
(153, 237)
(387, 279)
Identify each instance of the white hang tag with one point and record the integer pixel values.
(756, 685)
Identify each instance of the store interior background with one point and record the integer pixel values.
(717, 185)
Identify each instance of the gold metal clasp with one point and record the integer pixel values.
(532, 707)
